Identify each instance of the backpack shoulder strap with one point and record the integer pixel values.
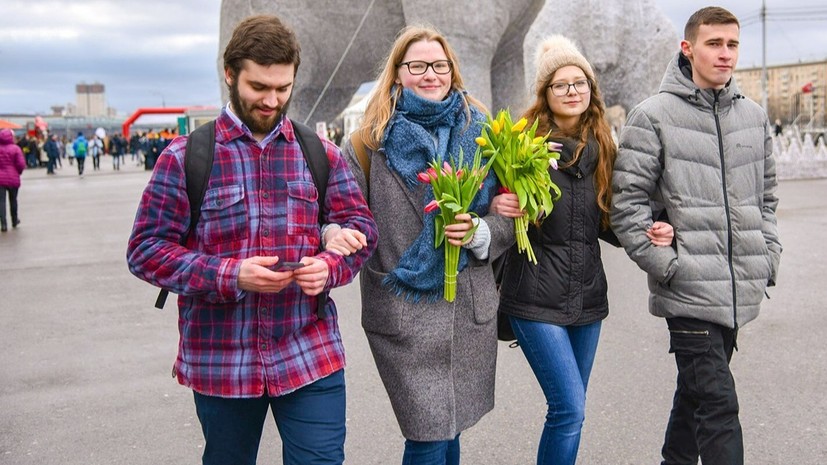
(361, 154)
(316, 156)
(197, 169)
(198, 160)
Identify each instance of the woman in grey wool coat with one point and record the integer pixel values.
(436, 358)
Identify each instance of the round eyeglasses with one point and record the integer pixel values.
(560, 89)
(418, 68)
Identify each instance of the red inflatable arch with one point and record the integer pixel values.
(149, 111)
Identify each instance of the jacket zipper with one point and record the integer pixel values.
(726, 209)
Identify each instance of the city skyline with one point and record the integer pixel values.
(166, 54)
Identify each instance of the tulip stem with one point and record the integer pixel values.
(523, 244)
(451, 266)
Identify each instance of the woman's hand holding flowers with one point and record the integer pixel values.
(506, 204)
(456, 232)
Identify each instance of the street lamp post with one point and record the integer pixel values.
(161, 94)
(764, 55)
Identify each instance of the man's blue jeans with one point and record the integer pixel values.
(561, 358)
(431, 452)
(311, 423)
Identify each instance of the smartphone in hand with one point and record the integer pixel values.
(287, 266)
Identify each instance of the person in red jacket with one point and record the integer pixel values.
(12, 165)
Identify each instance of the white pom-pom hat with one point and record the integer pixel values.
(556, 52)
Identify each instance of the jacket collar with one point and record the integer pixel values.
(678, 81)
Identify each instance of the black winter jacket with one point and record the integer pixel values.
(568, 284)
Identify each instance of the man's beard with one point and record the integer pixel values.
(246, 115)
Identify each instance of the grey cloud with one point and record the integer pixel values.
(35, 73)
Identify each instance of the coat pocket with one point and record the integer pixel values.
(768, 258)
(483, 292)
(381, 310)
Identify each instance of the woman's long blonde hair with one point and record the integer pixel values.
(592, 121)
(383, 99)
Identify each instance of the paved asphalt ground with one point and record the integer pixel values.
(85, 359)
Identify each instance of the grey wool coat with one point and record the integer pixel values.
(436, 359)
(705, 158)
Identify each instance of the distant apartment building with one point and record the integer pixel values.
(795, 92)
(90, 100)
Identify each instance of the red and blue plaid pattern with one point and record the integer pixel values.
(259, 201)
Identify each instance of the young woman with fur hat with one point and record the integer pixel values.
(556, 307)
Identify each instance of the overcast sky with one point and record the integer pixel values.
(156, 52)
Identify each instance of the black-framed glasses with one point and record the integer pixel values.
(560, 89)
(418, 68)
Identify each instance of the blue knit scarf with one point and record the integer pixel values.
(422, 130)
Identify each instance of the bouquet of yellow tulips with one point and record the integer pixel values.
(454, 189)
(522, 166)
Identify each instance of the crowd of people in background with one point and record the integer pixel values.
(52, 151)
(28, 151)
(143, 148)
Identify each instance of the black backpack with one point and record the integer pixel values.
(198, 160)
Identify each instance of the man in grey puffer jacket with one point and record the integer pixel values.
(700, 153)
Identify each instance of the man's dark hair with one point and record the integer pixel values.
(711, 15)
(263, 39)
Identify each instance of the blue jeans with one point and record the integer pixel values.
(561, 358)
(431, 452)
(311, 423)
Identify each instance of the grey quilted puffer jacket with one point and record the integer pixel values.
(705, 158)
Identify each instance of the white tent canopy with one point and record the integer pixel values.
(352, 115)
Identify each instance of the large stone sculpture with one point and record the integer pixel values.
(345, 43)
(628, 42)
(487, 35)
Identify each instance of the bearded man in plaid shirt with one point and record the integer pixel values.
(252, 338)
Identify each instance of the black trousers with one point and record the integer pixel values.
(704, 420)
(12, 194)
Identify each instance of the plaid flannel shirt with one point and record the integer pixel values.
(259, 201)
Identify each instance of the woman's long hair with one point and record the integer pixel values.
(384, 97)
(592, 121)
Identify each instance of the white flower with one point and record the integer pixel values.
(554, 146)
